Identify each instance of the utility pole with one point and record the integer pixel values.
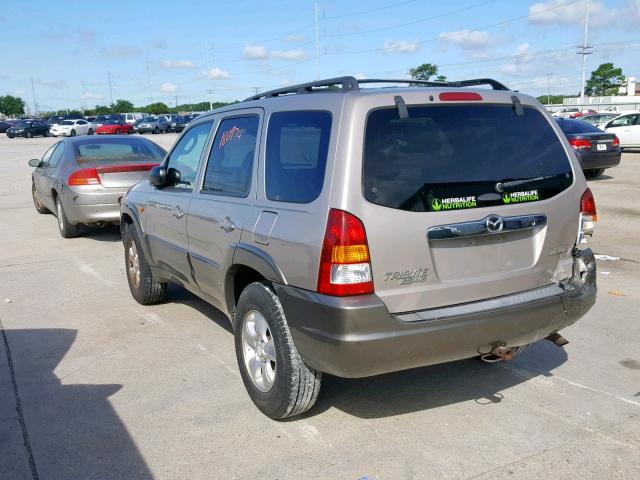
(584, 50)
(256, 89)
(548, 75)
(210, 92)
(317, 44)
(33, 93)
(84, 96)
(148, 83)
(176, 99)
(110, 89)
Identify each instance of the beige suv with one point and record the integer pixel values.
(357, 231)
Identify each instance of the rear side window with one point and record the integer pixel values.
(231, 158)
(296, 157)
(107, 150)
(454, 156)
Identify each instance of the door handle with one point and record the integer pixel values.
(177, 212)
(227, 225)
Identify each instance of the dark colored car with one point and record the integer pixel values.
(57, 119)
(4, 126)
(596, 150)
(114, 127)
(29, 128)
(178, 124)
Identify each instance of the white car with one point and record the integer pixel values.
(71, 128)
(565, 112)
(626, 128)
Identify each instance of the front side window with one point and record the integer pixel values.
(296, 156)
(231, 159)
(625, 121)
(185, 156)
(57, 155)
(454, 156)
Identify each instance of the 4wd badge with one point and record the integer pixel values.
(407, 277)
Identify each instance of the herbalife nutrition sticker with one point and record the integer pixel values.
(519, 197)
(453, 203)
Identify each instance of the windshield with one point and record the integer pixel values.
(112, 122)
(112, 150)
(22, 124)
(460, 153)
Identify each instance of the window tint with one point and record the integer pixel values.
(108, 150)
(47, 156)
(57, 155)
(577, 126)
(231, 158)
(185, 157)
(446, 157)
(296, 157)
(624, 121)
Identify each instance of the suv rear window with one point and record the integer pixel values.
(297, 147)
(452, 157)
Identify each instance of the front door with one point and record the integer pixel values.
(166, 207)
(220, 207)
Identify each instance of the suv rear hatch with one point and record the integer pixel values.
(465, 201)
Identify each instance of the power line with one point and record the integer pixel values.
(365, 12)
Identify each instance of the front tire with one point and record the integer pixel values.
(156, 130)
(28, 135)
(73, 133)
(36, 202)
(278, 381)
(90, 132)
(67, 229)
(593, 173)
(143, 288)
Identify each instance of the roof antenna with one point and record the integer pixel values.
(517, 106)
(402, 107)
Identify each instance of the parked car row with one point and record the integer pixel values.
(350, 234)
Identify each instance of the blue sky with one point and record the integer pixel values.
(158, 50)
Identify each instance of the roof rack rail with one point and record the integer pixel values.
(352, 84)
(347, 84)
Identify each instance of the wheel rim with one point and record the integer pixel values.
(59, 208)
(133, 264)
(258, 351)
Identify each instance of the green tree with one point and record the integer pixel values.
(605, 80)
(423, 72)
(122, 106)
(11, 106)
(101, 110)
(551, 99)
(156, 108)
(441, 78)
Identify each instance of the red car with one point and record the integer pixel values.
(581, 113)
(114, 126)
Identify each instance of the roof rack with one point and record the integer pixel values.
(352, 84)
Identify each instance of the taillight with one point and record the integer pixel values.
(85, 176)
(580, 143)
(616, 141)
(459, 97)
(588, 216)
(345, 267)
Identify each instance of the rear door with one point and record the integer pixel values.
(625, 127)
(218, 211)
(41, 177)
(166, 220)
(464, 202)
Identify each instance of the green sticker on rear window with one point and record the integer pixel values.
(453, 203)
(519, 197)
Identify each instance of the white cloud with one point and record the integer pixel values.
(91, 96)
(360, 76)
(473, 42)
(570, 12)
(400, 46)
(177, 64)
(120, 52)
(215, 74)
(295, 54)
(520, 65)
(52, 83)
(168, 87)
(254, 52)
(294, 38)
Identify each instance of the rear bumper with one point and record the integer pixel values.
(358, 337)
(101, 212)
(589, 160)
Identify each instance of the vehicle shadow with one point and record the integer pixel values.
(73, 430)
(435, 386)
(604, 176)
(108, 233)
(178, 294)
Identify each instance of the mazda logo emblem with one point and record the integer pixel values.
(494, 223)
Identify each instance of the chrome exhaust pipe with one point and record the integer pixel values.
(499, 354)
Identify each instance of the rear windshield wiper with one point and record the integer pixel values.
(500, 186)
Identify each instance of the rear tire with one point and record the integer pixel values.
(28, 135)
(156, 130)
(73, 133)
(278, 381)
(36, 202)
(143, 288)
(67, 229)
(90, 132)
(593, 173)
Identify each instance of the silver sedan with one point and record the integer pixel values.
(82, 180)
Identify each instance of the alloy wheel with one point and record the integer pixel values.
(133, 264)
(258, 351)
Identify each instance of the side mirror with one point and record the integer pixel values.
(173, 176)
(158, 176)
(35, 163)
